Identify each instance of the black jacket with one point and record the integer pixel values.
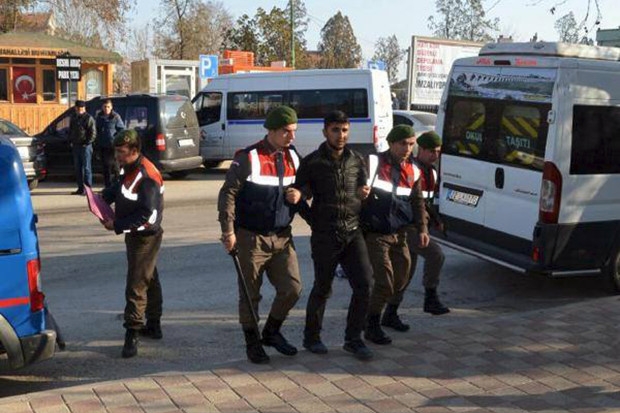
(82, 129)
(333, 186)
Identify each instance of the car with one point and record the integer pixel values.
(26, 332)
(420, 121)
(29, 149)
(166, 124)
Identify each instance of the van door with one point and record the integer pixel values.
(208, 107)
(180, 128)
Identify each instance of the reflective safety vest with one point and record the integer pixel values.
(388, 207)
(428, 181)
(260, 206)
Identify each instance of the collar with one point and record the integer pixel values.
(133, 166)
(328, 151)
(270, 148)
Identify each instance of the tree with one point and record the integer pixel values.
(462, 20)
(567, 28)
(338, 45)
(188, 28)
(268, 35)
(388, 51)
(10, 11)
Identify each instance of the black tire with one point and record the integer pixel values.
(178, 174)
(211, 164)
(33, 183)
(612, 271)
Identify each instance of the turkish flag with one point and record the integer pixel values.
(24, 85)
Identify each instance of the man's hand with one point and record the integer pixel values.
(424, 240)
(229, 241)
(108, 224)
(293, 196)
(363, 192)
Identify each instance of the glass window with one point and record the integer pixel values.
(522, 136)
(24, 61)
(93, 81)
(401, 120)
(208, 108)
(73, 86)
(596, 140)
(137, 118)
(464, 129)
(49, 85)
(4, 90)
(253, 105)
(178, 85)
(7, 128)
(315, 104)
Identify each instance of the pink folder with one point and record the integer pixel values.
(98, 206)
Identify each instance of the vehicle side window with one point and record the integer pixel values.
(596, 140)
(62, 126)
(464, 129)
(401, 120)
(208, 108)
(254, 105)
(137, 118)
(522, 137)
(313, 104)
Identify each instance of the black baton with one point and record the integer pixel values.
(244, 287)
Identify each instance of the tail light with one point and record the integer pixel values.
(375, 135)
(160, 142)
(536, 254)
(34, 285)
(550, 194)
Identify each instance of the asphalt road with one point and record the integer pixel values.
(83, 271)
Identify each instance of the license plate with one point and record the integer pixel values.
(186, 142)
(462, 198)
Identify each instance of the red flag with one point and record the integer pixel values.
(24, 85)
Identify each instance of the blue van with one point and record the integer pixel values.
(23, 334)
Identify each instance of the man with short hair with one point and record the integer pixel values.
(108, 123)
(255, 212)
(334, 176)
(429, 149)
(138, 198)
(395, 202)
(82, 134)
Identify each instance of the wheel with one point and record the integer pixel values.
(33, 183)
(178, 174)
(211, 164)
(612, 271)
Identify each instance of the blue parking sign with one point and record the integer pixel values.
(208, 66)
(375, 64)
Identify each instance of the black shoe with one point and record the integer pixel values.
(277, 341)
(78, 192)
(273, 338)
(152, 329)
(315, 346)
(374, 332)
(358, 349)
(432, 304)
(253, 348)
(391, 319)
(130, 348)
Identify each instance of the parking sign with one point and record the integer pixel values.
(375, 64)
(208, 66)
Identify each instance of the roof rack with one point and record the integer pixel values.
(553, 49)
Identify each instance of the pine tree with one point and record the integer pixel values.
(338, 46)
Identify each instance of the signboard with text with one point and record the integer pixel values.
(68, 68)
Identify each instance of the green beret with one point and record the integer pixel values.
(280, 117)
(127, 137)
(429, 140)
(399, 133)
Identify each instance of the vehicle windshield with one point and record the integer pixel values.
(7, 128)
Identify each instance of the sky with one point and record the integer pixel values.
(372, 19)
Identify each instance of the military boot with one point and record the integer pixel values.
(391, 319)
(130, 348)
(374, 332)
(253, 348)
(432, 304)
(152, 329)
(272, 337)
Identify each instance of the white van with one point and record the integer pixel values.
(231, 109)
(530, 170)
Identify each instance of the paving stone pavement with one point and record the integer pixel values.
(562, 359)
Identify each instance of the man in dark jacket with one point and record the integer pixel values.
(82, 134)
(109, 123)
(138, 198)
(335, 177)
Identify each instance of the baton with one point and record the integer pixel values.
(244, 287)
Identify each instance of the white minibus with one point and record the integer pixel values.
(530, 169)
(231, 109)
